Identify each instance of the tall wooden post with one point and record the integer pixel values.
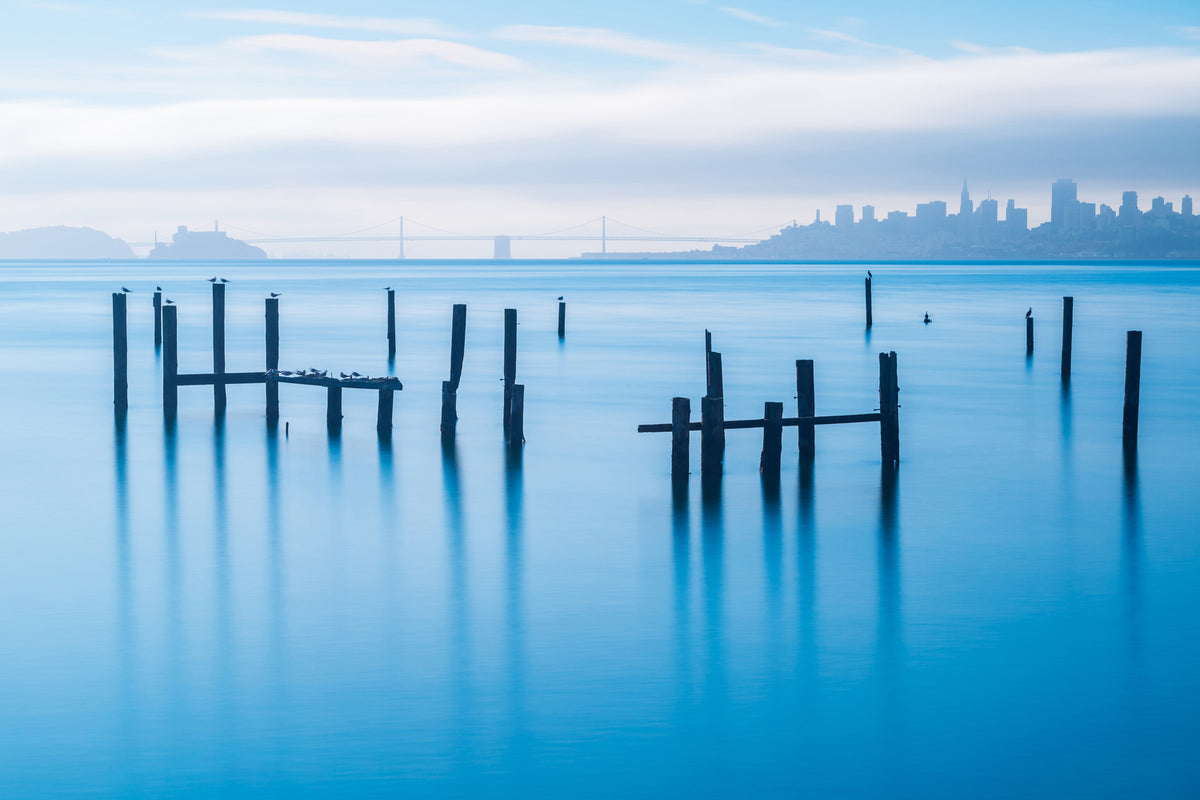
(272, 313)
(383, 417)
(120, 354)
(681, 419)
(458, 338)
(707, 352)
(333, 408)
(772, 440)
(516, 433)
(218, 339)
(716, 381)
(391, 323)
(806, 406)
(889, 409)
(170, 362)
(562, 319)
(510, 362)
(868, 285)
(1133, 388)
(712, 435)
(1068, 322)
(1029, 336)
(157, 319)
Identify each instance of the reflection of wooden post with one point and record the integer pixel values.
(157, 319)
(712, 435)
(562, 319)
(170, 362)
(218, 337)
(383, 419)
(772, 440)
(272, 305)
(333, 409)
(889, 409)
(868, 279)
(806, 406)
(449, 411)
(716, 382)
(1029, 336)
(510, 362)
(1133, 389)
(391, 323)
(120, 354)
(1068, 321)
(681, 418)
(516, 433)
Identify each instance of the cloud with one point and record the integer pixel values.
(602, 39)
(406, 27)
(981, 50)
(1186, 31)
(839, 36)
(750, 16)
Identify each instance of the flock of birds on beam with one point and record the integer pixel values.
(324, 373)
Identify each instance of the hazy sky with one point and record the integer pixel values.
(687, 116)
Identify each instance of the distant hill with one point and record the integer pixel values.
(206, 245)
(61, 241)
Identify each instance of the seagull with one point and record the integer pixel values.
(1029, 313)
(387, 288)
(344, 375)
(285, 372)
(212, 280)
(560, 297)
(169, 301)
(126, 291)
(224, 280)
(158, 288)
(355, 375)
(927, 319)
(869, 273)
(275, 294)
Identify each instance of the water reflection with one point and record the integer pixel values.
(1131, 563)
(460, 622)
(681, 561)
(514, 498)
(222, 605)
(126, 662)
(890, 645)
(773, 556)
(806, 554)
(173, 567)
(711, 554)
(275, 566)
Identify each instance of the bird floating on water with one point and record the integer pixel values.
(927, 320)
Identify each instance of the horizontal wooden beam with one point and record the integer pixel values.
(345, 383)
(223, 378)
(792, 422)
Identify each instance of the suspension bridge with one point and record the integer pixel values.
(502, 243)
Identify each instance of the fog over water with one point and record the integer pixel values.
(219, 609)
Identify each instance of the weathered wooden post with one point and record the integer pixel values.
(806, 406)
(333, 408)
(889, 409)
(681, 421)
(383, 418)
(707, 352)
(1133, 388)
(272, 313)
(562, 319)
(458, 337)
(716, 382)
(1029, 335)
(157, 319)
(391, 323)
(170, 362)
(510, 362)
(712, 436)
(1068, 321)
(120, 354)
(516, 434)
(218, 339)
(772, 440)
(868, 285)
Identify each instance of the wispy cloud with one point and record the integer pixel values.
(1186, 31)
(750, 16)
(983, 50)
(602, 39)
(839, 36)
(405, 27)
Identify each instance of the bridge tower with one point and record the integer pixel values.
(604, 234)
(503, 248)
(401, 256)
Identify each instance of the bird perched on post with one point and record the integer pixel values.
(125, 291)
(169, 301)
(212, 280)
(387, 288)
(276, 294)
(560, 297)
(158, 288)
(869, 273)
(1029, 313)
(224, 280)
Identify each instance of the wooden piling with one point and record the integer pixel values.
(562, 319)
(510, 362)
(218, 341)
(1068, 322)
(157, 319)
(516, 432)
(868, 298)
(716, 382)
(391, 322)
(449, 411)
(772, 440)
(170, 362)
(383, 418)
(889, 409)
(272, 388)
(1133, 390)
(333, 409)
(707, 351)
(712, 435)
(120, 354)
(458, 343)
(1029, 336)
(681, 418)
(806, 406)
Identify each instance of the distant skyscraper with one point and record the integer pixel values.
(965, 206)
(1062, 196)
(1129, 208)
(868, 214)
(843, 217)
(989, 211)
(1016, 218)
(1087, 215)
(931, 214)
(1185, 207)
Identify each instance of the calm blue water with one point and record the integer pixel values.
(221, 612)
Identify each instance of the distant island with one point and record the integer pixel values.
(1076, 230)
(206, 245)
(61, 241)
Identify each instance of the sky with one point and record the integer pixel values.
(688, 117)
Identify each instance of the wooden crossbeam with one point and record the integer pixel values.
(788, 422)
(344, 383)
(219, 379)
